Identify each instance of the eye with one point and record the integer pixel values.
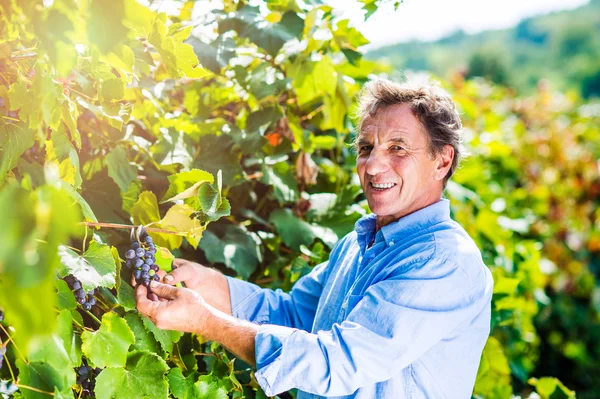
(396, 148)
(365, 148)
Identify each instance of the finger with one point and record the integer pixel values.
(164, 290)
(144, 305)
(178, 275)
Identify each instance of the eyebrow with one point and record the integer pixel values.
(399, 140)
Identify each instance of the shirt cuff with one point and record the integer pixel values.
(240, 294)
(268, 345)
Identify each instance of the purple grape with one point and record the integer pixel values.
(139, 252)
(156, 277)
(130, 254)
(154, 267)
(139, 263)
(148, 240)
(135, 245)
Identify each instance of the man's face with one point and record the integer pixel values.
(396, 172)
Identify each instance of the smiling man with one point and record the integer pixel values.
(402, 307)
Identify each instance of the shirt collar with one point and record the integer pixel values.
(417, 221)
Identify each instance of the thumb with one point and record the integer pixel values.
(164, 290)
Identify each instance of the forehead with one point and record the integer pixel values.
(393, 120)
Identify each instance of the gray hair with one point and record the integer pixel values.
(429, 103)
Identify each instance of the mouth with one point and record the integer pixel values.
(382, 186)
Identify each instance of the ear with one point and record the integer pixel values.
(444, 162)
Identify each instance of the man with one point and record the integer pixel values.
(402, 307)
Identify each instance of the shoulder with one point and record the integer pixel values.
(444, 252)
(457, 250)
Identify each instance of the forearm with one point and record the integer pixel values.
(238, 336)
(215, 290)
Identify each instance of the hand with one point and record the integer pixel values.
(192, 274)
(209, 283)
(178, 309)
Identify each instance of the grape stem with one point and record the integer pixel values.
(9, 338)
(34, 389)
(126, 226)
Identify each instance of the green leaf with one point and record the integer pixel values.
(108, 346)
(119, 168)
(236, 249)
(248, 22)
(312, 80)
(43, 377)
(145, 210)
(210, 387)
(142, 377)
(281, 177)
(76, 197)
(14, 140)
(96, 268)
(185, 184)
(178, 57)
(51, 350)
(166, 338)
(105, 26)
(144, 340)
(261, 120)
(505, 285)
(112, 89)
(183, 387)
(66, 299)
(294, 232)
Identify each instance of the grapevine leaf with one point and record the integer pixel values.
(66, 299)
(50, 349)
(112, 89)
(294, 232)
(260, 121)
(95, 268)
(183, 387)
(14, 140)
(281, 177)
(178, 57)
(105, 25)
(209, 387)
(249, 23)
(178, 218)
(166, 338)
(63, 154)
(312, 80)
(88, 214)
(142, 377)
(145, 210)
(71, 341)
(108, 346)
(43, 377)
(119, 168)
(227, 159)
(126, 296)
(236, 249)
(144, 340)
(185, 184)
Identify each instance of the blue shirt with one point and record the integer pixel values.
(406, 317)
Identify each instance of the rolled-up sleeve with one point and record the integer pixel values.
(295, 309)
(392, 325)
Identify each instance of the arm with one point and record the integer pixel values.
(248, 301)
(391, 326)
(296, 309)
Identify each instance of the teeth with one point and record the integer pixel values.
(383, 185)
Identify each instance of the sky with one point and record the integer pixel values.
(428, 20)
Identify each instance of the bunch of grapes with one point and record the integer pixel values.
(86, 300)
(86, 378)
(141, 259)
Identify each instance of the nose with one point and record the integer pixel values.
(376, 163)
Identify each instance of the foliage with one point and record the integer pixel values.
(244, 164)
(561, 47)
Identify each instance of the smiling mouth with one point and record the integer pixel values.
(382, 186)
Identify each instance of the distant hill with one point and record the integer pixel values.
(563, 47)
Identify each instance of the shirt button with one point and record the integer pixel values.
(344, 305)
(391, 243)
